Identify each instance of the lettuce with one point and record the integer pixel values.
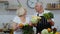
(48, 15)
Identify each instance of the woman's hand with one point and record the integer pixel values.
(20, 25)
(14, 25)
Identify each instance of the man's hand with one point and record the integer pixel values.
(51, 22)
(35, 25)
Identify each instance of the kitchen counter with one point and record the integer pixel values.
(10, 31)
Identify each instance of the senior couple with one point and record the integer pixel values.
(22, 18)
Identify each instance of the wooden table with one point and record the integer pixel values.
(58, 33)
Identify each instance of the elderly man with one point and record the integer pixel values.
(43, 24)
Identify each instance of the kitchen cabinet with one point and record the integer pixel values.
(12, 7)
(53, 6)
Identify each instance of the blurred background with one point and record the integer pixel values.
(8, 10)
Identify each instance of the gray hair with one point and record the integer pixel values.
(21, 11)
(40, 3)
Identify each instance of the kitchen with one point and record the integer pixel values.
(7, 14)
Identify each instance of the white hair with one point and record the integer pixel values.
(40, 3)
(21, 11)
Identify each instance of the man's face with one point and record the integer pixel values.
(38, 7)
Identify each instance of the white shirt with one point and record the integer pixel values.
(18, 21)
(45, 11)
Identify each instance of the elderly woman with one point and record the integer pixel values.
(20, 18)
